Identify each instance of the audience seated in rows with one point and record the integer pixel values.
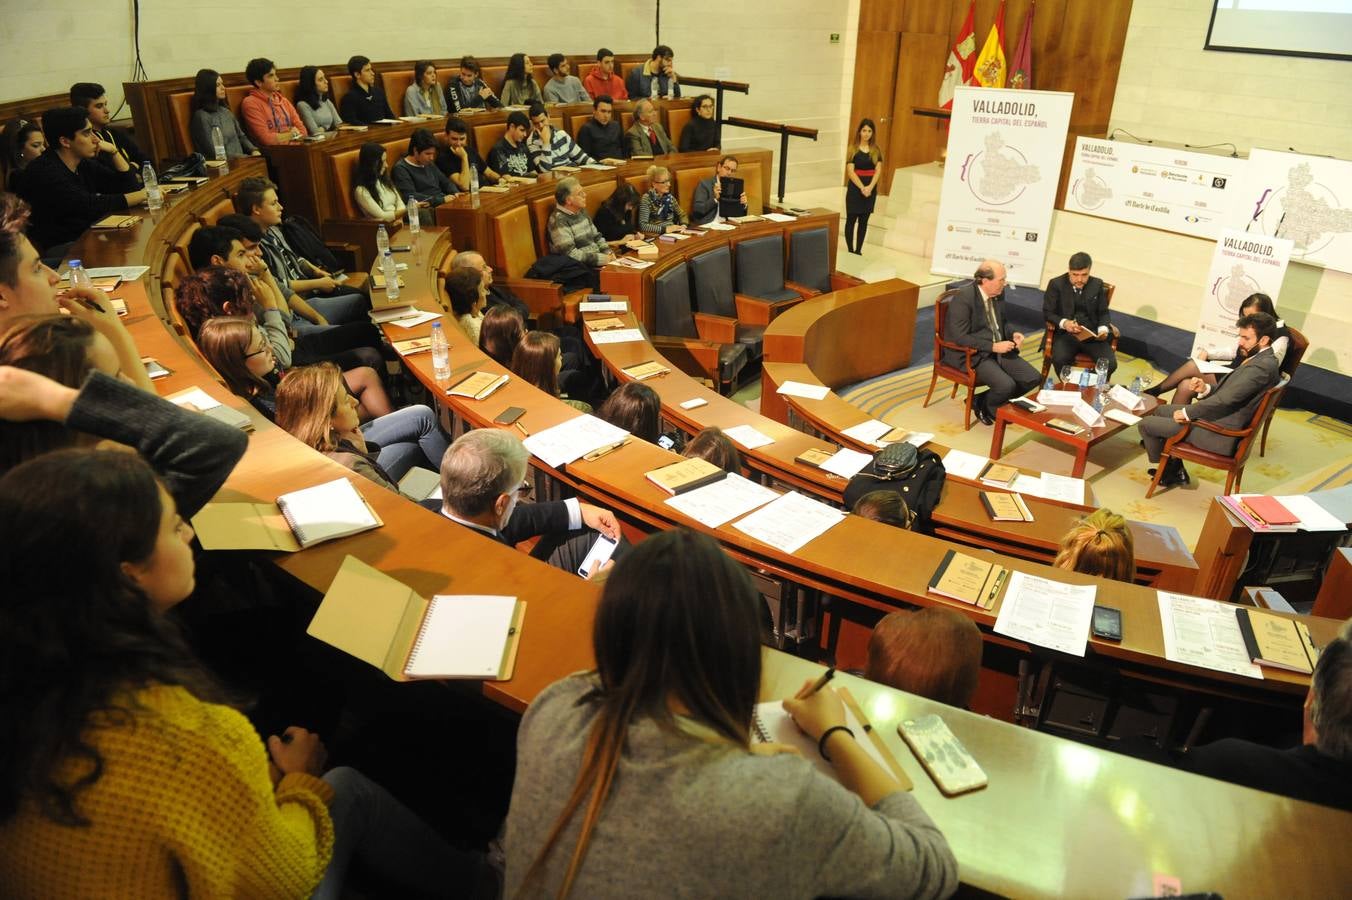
(656, 77)
(315, 406)
(482, 480)
(552, 147)
(268, 116)
(374, 192)
(646, 137)
(1099, 544)
(617, 217)
(571, 232)
(667, 714)
(518, 85)
(133, 770)
(563, 86)
(706, 204)
(241, 354)
(457, 156)
(465, 290)
(467, 91)
(933, 652)
(887, 507)
(364, 103)
(117, 150)
(601, 136)
(21, 142)
(602, 79)
(658, 209)
(314, 102)
(538, 360)
(423, 97)
(66, 188)
(512, 155)
(495, 294)
(416, 177)
(701, 132)
(713, 445)
(211, 113)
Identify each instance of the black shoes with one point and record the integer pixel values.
(983, 415)
(1174, 474)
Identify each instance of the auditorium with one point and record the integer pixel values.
(862, 448)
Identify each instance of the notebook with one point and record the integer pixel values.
(300, 519)
(649, 369)
(206, 404)
(1277, 641)
(1002, 507)
(384, 622)
(770, 724)
(999, 474)
(477, 385)
(968, 579)
(115, 221)
(686, 475)
(421, 484)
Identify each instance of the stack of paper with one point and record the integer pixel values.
(1204, 633)
(867, 432)
(790, 521)
(573, 439)
(618, 336)
(846, 462)
(1047, 613)
(721, 502)
(1051, 487)
(749, 437)
(961, 464)
(799, 389)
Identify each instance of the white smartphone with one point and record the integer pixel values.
(597, 556)
(695, 403)
(942, 754)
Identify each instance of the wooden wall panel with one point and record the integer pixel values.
(888, 15)
(916, 139)
(875, 84)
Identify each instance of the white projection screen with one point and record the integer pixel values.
(1319, 28)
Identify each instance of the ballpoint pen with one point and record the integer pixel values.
(608, 448)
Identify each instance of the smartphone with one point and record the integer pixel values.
(1107, 623)
(599, 553)
(404, 249)
(509, 415)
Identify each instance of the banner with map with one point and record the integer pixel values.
(1174, 190)
(1307, 199)
(1242, 264)
(1004, 162)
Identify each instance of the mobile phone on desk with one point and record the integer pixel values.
(1106, 623)
(404, 249)
(509, 415)
(598, 555)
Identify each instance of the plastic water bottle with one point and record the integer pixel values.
(1137, 385)
(391, 273)
(1084, 378)
(441, 354)
(474, 185)
(1050, 385)
(382, 241)
(154, 198)
(414, 218)
(78, 276)
(217, 144)
(652, 88)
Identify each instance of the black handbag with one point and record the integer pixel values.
(916, 474)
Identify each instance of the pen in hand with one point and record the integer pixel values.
(820, 682)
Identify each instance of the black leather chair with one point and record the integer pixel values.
(760, 271)
(697, 344)
(810, 259)
(711, 281)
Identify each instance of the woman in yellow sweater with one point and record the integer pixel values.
(122, 772)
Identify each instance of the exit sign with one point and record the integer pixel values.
(835, 38)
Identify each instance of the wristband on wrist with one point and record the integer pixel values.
(821, 743)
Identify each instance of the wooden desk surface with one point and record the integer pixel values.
(1060, 819)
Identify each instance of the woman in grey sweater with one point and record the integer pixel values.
(641, 779)
(211, 111)
(314, 103)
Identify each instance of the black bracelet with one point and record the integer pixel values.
(821, 743)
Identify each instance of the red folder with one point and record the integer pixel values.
(1271, 511)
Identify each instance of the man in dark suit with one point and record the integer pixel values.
(1077, 303)
(482, 477)
(976, 318)
(647, 137)
(1319, 770)
(1230, 404)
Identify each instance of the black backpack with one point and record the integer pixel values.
(306, 242)
(917, 475)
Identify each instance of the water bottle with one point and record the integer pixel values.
(78, 276)
(1050, 385)
(474, 185)
(441, 354)
(414, 217)
(391, 273)
(217, 144)
(1084, 378)
(1098, 401)
(154, 198)
(1137, 386)
(382, 241)
(652, 88)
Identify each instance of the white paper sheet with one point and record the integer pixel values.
(572, 439)
(587, 306)
(961, 464)
(719, 226)
(799, 389)
(721, 502)
(1204, 633)
(1088, 415)
(916, 439)
(618, 336)
(1062, 487)
(126, 273)
(1047, 613)
(1211, 367)
(846, 462)
(381, 316)
(1313, 517)
(415, 320)
(1126, 399)
(1121, 415)
(790, 521)
(197, 397)
(777, 217)
(748, 437)
(868, 431)
(1058, 398)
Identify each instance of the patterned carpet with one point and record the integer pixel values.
(1305, 452)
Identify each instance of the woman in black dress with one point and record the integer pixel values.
(862, 172)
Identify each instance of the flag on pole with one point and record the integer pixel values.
(990, 65)
(961, 60)
(1021, 73)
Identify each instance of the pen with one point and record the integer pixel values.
(92, 304)
(995, 588)
(602, 451)
(521, 428)
(821, 682)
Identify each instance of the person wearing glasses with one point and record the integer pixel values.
(977, 318)
(658, 209)
(482, 484)
(707, 204)
(701, 132)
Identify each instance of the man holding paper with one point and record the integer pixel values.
(482, 477)
(976, 318)
(1078, 305)
(1230, 404)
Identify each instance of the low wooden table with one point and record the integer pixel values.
(1013, 414)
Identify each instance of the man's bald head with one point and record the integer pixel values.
(990, 277)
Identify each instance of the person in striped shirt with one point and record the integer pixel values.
(552, 147)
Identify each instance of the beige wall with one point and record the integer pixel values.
(782, 49)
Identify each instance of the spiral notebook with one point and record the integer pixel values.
(384, 622)
(297, 520)
(770, 724)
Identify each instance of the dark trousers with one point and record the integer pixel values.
(1005, 376)
(349, 346)
(856, 226)
(1065, 346)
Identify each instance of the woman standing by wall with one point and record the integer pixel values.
(862, 170)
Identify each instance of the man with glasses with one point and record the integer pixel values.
(482, 485)
(976, 318)
(708, 204)
(571, 231)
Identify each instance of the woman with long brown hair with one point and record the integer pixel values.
(538, 360)
(315, 406)
(861, 172)
(242, 355)
(499, 333)
(641, 778)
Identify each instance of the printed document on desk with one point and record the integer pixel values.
(867, 432)
(748, 436)
(721, 502)
(1050, 487)
(573, 439)
(790, 521)
(799, 389)
(1047, 613)
(961, 464)
(1313, 517)
(846, 462)
(1204, 633)
(618, 336)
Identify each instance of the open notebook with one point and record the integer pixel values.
(386, 623)
(772, 725)
(297, 520)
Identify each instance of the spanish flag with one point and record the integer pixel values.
(990, 64)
